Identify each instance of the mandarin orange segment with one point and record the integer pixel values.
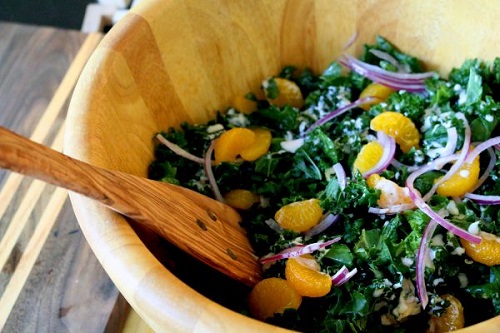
(260, 145)
(368, 157)
(398, 126)
(304, 275)
(289, 93)
(487, 252)
(241, 199)
(272, 295)
(299, 216)
(391, 194)
(376, 90)
(230, 144)
(462, 181)
(452, 319)
(244, 105)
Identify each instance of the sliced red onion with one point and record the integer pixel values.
(347, 277)
(487, 171)
(420, 203)
(398, 165)
(297, 251)
(350, 41)
(339, 111)
(391, 210)
(389, 145)
(341, 175)
(451, 144)
(207, 164)
(399, 81)
(340, 275)
(482, 147)
(178, 150)
(459, 162)
(484, 199)
(422, 254)
(390, 59)
(271, 223)
(321, 226)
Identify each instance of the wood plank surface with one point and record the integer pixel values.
(50, 281)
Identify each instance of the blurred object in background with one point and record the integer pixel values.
(57, 13)
(103, 15)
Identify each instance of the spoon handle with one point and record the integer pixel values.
(201, 226)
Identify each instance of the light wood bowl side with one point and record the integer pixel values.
(182, 60)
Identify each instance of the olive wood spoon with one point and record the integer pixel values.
(204, 228)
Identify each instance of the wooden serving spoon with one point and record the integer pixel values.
(204, 228)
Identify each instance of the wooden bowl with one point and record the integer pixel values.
(181, 60)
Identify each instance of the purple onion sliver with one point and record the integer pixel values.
(338, 112)
(341, 175)
(347, 277)
(339, 276)
(422, 253)
(321, 226)
(484, 199)
(207, 166)
(178, 150)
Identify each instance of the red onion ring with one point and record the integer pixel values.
(207, 166)
(482, 147)
(347, 277)
(178, 150)
(338, 112)
(341, 175)
(460, 160)
(271, 223)
(422, 205)
(297, 251)
(340, 275)
(400, 81)
(389, 145)
(487, 171)
(423, 252)
(321, 226)
(484, 199)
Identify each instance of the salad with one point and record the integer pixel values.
(370, 191)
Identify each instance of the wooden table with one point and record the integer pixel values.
(50, 281)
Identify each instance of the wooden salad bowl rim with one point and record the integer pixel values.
(182, 60)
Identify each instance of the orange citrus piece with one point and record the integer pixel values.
(241, 199)
(462, 181)
(289, 93)
(400, 127)
(244, 105)
(376, 90)
(304, 275)
(260, 145)
(391, 194)
(368, 157)
(452, 319)
(487, 252)
(299, 216)
(231, 143)
(272, 295)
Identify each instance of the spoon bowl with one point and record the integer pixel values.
(204, 228)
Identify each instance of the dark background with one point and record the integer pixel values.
(58, 13)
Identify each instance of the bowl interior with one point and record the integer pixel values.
(182, 60)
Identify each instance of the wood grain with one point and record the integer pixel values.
(196, 57)
(201, 226)
(50, 281)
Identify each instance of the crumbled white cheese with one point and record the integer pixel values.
(408, 303)
(474, 228)
(489, 118)
(437, 281)
(458, 251)
(407, 261)
(292, 145)
(215, 128)
(437, 240)
(464, 281)
(452, 208)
